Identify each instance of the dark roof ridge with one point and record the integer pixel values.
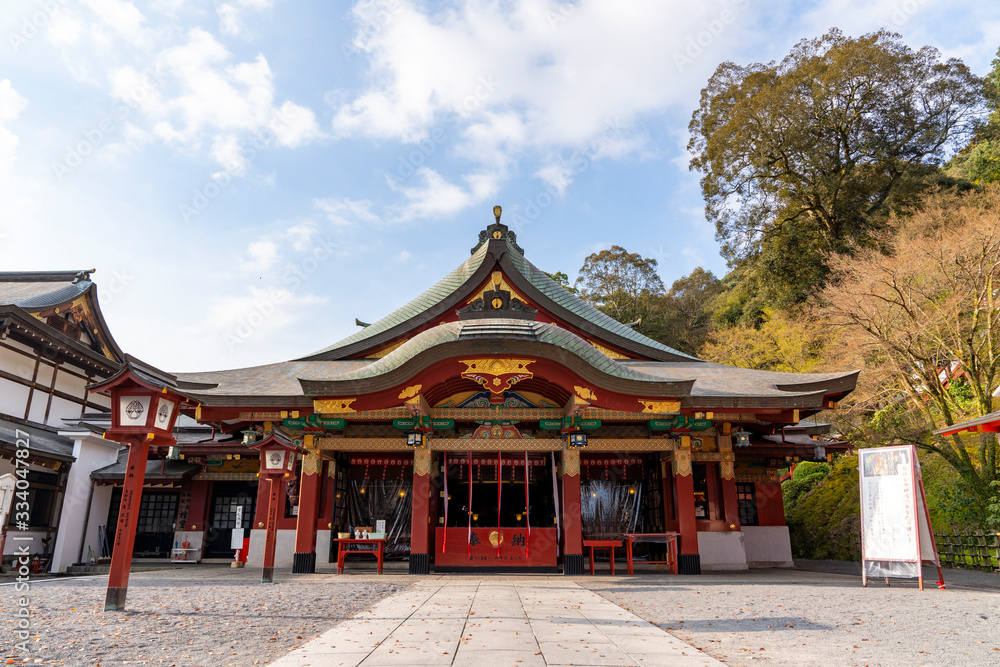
(45, 276)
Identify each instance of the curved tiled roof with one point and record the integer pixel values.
(432, 296)
(541, 332)
(571, 302)
(718, 380)
(24, 291)
(549, 289)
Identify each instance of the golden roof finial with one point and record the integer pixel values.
(496, 213)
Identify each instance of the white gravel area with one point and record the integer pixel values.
(795, 617)
(203, 616)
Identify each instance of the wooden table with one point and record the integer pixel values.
(603, 544)
(343, 550)
(670, 539)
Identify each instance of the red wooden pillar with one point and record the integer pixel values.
(420, 542)
(688, 561)
(572, 514)
(727, 473)
(275, 485)
(121, 556)
(304, 559)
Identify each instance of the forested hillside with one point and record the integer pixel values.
(855, 190)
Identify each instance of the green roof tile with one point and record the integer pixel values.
(428, 299)
(578, 306)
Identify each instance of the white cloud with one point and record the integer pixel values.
(255, 316)
(302, 235)
(437, 196)
(263, 254)
(194, 94)
(231, 14)
(123, 17)
(558, 176)
(348, 212)
(11, 106)
(226, 151)
(527, 80)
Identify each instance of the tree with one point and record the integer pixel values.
(620, 283)
(562, 279)
(979, 162)
(806, 157)
(783, 341)
(925, 319)
(686, 318)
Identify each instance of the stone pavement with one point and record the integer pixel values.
(524, 621)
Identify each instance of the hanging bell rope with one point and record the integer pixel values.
(469, 544)
(444, 534)
(499, 488)
(527, 510)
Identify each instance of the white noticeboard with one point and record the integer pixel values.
(380, 526)
(7, 484)
(896, 535)
(236, 542)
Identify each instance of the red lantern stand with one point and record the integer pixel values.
(277, 462)
(143, 411)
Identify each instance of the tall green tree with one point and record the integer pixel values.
(979, 162)
(685, 320)
(806, 157)
(622, 284)
(925, 320)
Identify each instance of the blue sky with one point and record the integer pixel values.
(248, 176)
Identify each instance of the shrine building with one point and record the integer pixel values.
(494, 422)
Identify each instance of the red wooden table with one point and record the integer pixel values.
(344, 546)
(670, 539)
(603, 544)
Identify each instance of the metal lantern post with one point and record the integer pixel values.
(143, 411)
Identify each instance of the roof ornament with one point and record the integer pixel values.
(361, 324)
(82, 275)
(497, 232)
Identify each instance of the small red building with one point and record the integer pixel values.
(494, 422)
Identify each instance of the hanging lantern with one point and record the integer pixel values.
(742, 438)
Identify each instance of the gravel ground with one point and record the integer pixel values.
(797, 617)
(209, 616)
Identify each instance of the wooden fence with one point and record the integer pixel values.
(969, 549)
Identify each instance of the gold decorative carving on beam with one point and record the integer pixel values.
(495, 445)
(727, 467)
(364, 444)
(411, 391)
(608, 352)
(586, 393)
(571, 462)
(660, 407)
(497, 283)
(421, 462)
(311, 463)
(333, 406)
(503, 414)
(497, 375)
(682, 462)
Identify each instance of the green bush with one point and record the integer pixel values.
(824, 519)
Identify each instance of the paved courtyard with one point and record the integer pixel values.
(528, 621)
(212, 616)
